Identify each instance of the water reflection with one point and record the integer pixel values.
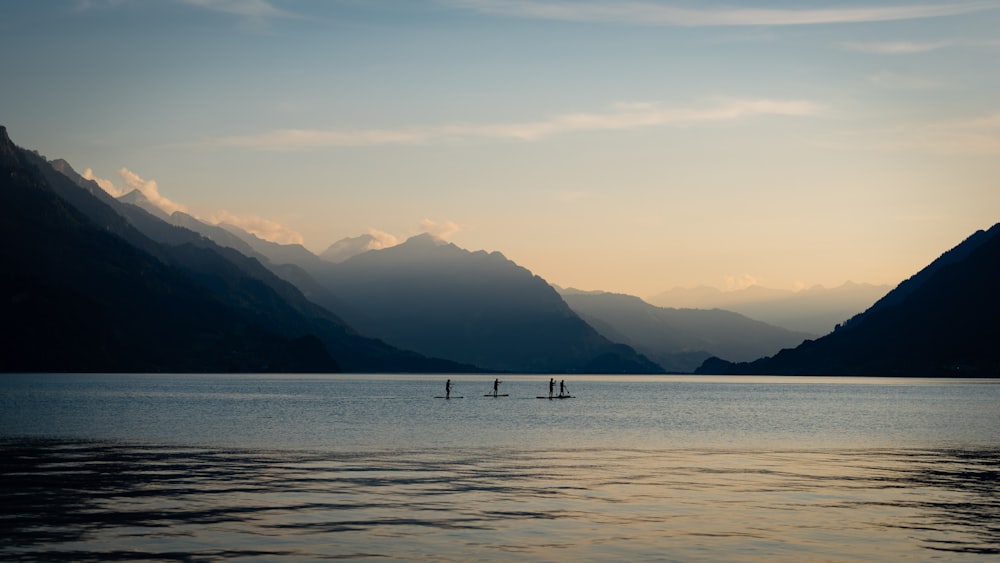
(63, 500)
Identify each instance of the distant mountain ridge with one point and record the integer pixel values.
(940, 322)
(679, 340)
(438, 299)
(816, 310)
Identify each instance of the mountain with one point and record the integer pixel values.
(347, 248)
(276, 253)
(472, 307)
(940, 322)
(816, 310)
(94, 284)
(679, 340)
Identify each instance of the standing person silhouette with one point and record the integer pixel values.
(496, 387)
(562, 387)
(447, 390)
(552, 386)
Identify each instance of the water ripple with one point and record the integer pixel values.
(66, 500)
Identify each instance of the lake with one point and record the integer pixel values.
(653, 468)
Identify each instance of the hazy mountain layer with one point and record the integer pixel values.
(940, 322)
(679, 339)
(92, 284)
(815, 310)
(472, 307)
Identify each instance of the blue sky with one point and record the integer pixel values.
(627, 146)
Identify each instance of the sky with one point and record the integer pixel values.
(627, 146)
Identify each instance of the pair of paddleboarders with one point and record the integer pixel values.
(496, 388)
(563, 391)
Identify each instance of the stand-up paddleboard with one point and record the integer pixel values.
(443, 397)
(556, 397)
(498, 395)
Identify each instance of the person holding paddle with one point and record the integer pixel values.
(496, 386)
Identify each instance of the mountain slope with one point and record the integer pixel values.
(940, 322)
(472, 307)
(88, 290)
(83, 299)
(679, 339)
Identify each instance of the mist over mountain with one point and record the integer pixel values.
(87, 289)
(348, 247)
(679, 340)
(473, 307)
(276, 253)
(940, 322)
(816, 310)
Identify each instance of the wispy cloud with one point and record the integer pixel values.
(673, 14)
(263, 228)
(897, 47)
(442, 230)
(619, 117)
(741, 281)
(381, 239)
(913, 47)
(151, 190)
(903, 82)
(254, 14)
(104, 183)
(979, 136)
(148, 188)
(243, 8)
(91, 5)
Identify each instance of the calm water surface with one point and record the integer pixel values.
(210, 467)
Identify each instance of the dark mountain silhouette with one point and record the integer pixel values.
(87, 289)
(943, 321)
(679, 340)
(473, 307)
(816, 310)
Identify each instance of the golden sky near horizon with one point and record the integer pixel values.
(630, 147)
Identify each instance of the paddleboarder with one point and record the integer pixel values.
(447, 390)
(552, 386)
(562, 388)
(496, 387)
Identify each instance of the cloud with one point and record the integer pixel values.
(672, 14)
(253, 15)
(250, 9)
(914, 47)
(106, 185)
(92, 5)
(741, 281)
(150, 190)
(979, 136)
(263, 228)
(381, 239)
(898, 47)
(443, 231)
(903, 82)
(620, 117)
